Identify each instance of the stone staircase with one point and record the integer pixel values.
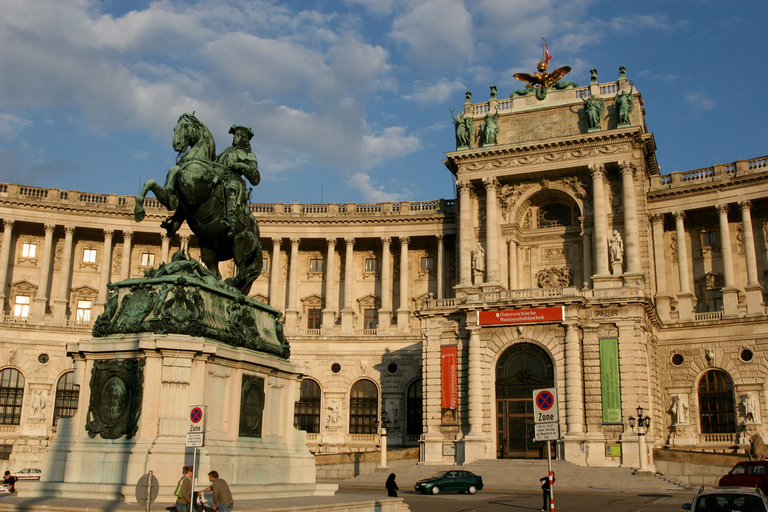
(521, 474)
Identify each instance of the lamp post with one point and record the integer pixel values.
(383, 437)
(643, 424)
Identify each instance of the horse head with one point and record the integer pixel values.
(190, 133)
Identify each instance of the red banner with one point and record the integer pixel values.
(448, 361)
(521, 316)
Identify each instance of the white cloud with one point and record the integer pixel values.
(373, 193)
(12, 125)
(435, 32)
(700, 101)
(439, 92)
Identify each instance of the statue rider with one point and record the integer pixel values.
(238, 161)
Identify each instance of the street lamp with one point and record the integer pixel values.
(383, 436)
(643, 424)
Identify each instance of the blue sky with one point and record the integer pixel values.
(349, 99)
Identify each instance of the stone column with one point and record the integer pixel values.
(753, 290)
(586, 249)
(512, 264)
(466, 232)
(125, 268)
(600, 222)
(631, 224)
(440, 266)
(106, 272)
(491, 233)
(385, 313)
(403, 312)
(329, 312)
(348, 313)
(292, 312)
(5, 254)
(574, 395)
(40, 303)
(684, 297)
(729, 291)
(474, 442)
(663, 306)
(65, 275)
(274, 274)
(165, 242)
(184, 243)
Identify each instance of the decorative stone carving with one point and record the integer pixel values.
(558, 277)
(749, 408)
(679, 410)
(251, 406)
(116, 396)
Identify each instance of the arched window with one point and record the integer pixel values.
(413, 408)
(716, 407)
(306, 412)
(67, 397)
(363, 407)
(554, 214)
(11, 395)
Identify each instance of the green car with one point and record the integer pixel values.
(461, 481)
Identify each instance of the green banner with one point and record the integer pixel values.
(610, 380)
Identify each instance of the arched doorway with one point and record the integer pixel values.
(520, 369)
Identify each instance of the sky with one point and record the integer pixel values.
(350, 100)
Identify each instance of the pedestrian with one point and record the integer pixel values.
(10, 481)
(391, 486)
(222, 497)
(545, 491)
(184, 490)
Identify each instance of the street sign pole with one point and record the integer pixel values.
(195, 439)
(550, 479)
(547, 425)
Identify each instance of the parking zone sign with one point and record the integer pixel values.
(545, 405)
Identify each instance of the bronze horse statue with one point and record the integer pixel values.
(194, 191)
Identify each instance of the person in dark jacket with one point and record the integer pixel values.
(391, 486)
(545, 491)
(10, 481)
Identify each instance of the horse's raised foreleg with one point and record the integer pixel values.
(162, 194)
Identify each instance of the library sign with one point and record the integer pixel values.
(521, 316)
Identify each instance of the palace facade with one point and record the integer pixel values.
(566, 261)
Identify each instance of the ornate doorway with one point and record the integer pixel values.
(521, 369)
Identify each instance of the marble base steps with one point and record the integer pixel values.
(524, 474)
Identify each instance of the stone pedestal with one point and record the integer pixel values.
(136, 418)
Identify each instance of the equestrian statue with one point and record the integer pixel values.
(209, 193)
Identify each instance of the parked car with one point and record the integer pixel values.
(460, 481)
(747, 474)
(726, 499)
(28, 474)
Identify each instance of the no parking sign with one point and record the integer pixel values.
(545, 405)
(196, 432)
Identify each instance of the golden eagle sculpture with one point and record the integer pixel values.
(542, 80)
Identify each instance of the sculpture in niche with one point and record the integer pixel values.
(478, 258)
(594, 110)
(489, 128)
(464, 129)
(208, 193)
(749, 408)
(616, 248)
(679, 410)
(334, 414)
(38, 404)
(116, 396)
(625, 103)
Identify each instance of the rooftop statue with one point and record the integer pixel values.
(209, 193)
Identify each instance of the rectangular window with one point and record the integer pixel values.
(89, 255)
(315, 265)
(370, 319)
(83, 313)
(147, 259)
(28, 250)
(5, 451)
(428, 263)
(371, 265)
(21, 306)
(709, 239)
(714, 300)
(314, 319)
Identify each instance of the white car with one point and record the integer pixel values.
(723, 499)
(28, 474)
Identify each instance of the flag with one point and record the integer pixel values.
(547, 56)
